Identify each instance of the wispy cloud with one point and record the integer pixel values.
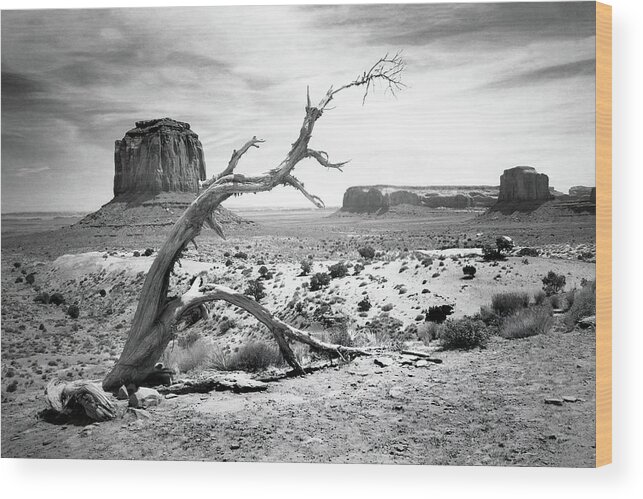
(489, 85)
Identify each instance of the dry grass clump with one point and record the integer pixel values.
(187, 357)
(583, 304)
(463, 334)
(505, 304)
(527, 322)
(253, 357)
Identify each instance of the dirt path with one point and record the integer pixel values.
(480, 407)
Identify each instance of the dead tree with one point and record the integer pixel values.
(157, 314)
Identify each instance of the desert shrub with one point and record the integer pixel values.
(319, 280)
(584, 305)
(438, 313)
(190, 356)
(73, 311)
(427, 262)
(255, 289)
(366, 252)
(241, 255)
(469, 271)
(556, 301)
(338, 270)
(263, 271)
(540, 297)
(387, 308)
(358, 268)
(527, 322)
(226, 325)
(341, 336)
(504, 244)
(189, 339)
(148, 252)
(428, 331)
(364, 305)
(489, 253)
(306, 267)
(528, 252)
(505, 304)
(58, 298)
(553, 283)
(42, 297)
(255, 356)
(463, 334)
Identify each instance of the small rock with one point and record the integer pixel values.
(235, 446)
(570, 398)
(421, 363)
(383, 361)
(171, 396)
(587, 322)
(122, 394)
(145, 397)
(554, 401)
(396, 392)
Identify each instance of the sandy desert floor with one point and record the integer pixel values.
(484, 406)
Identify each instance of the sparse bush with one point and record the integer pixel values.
(584, 305)
(540, 297)
(504, 244)
(42, 297)
(263, 271)
(255, 356)
(427, 262)
(306, 267)
(427, 332)
(469, 271)
(255, 289)
(366, 252)
(195, 353)
(364, 305)
(505, 304)
(528, 322)
(189, 339)
(338, 270)
(241, 255)
(73, 311)
(226, 325)
(319, 280)
(553, 283)
(58, 298)
(463, 334)
(358, 268)
(489, 253)
(438, 313)
(529, 252)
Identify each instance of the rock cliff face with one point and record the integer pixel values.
(379, 198)
(161, 155)
(581, 191)
(523, 183)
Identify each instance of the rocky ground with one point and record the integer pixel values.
(477, 407)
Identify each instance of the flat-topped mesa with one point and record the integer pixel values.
(523, 183)
(160, 155)
(379, 198)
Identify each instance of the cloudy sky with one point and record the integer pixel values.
(490, 86)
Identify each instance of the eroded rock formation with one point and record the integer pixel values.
(161, 155)
(379, 198)
(581, 191)
(523, 183)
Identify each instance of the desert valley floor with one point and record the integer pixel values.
(476, 407)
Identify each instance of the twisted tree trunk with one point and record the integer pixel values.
(156, 314)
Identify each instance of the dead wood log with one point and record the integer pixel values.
(156, 314)
(71, 397)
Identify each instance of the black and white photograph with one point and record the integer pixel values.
(348, 234)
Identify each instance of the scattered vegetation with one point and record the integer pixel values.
(527, 322)
(438, 313)
(469, 271)
(553, 283)
(364, 305)
(366, 252)
(505, 304)
(255, 289)
(306, 267)
(463, 334)
(338, 270)
(584, 304)
(319, 280)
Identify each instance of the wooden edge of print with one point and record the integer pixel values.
(603, 234)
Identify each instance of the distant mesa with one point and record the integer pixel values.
(524, 183)
(582, 191)
(379, 198)
(161, 155)
(157, 169)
